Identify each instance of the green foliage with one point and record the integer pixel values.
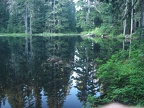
(87, 16)
(3, 16)
(60, 17)
(56, 16)
(91, 100)
(51, 16)
(105, 10)
(111, 15)
(103, 29)
(121, 78)
(39, 11)
(15, 22)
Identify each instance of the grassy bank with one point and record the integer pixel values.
(56, 34)
(39, 34)
(109, 32)
(13, 34)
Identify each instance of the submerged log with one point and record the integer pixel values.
(53, 59)
(57, 61)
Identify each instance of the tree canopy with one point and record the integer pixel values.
(59, 16)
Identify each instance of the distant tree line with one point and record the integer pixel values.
(60, 16)
(112, 16)
(41, 15)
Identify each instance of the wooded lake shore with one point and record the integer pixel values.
(104, 38)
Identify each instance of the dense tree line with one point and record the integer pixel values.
(111, 16)
(121, 78)
(54, 16)
(41, 15)
(119, 73)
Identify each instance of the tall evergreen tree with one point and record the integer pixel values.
(87, 15)
(60, 16)
(4, 15)
(39, 12)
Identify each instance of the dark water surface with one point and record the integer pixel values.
(56, 72)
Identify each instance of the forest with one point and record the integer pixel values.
(118, 55)
(112, 17)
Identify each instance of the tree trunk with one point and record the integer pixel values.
(88, 12)
(125, 23)
(53, 15)
(30, 27)
(131, 20)
(95, 4)
(131, 27)
(87, 60)
(26, 30)
(142, 19)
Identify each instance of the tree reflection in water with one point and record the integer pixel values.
(85, 67)
(47, 69)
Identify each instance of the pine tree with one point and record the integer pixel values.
(60, 16)
(4, 15)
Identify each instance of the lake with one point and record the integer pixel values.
(55, 72)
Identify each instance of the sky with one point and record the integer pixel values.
(75, 1)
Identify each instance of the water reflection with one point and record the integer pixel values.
(85, 68)
(59, 72)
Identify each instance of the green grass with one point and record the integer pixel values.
(13, 34)
(108, 32)
(39, 34)
(45, 34)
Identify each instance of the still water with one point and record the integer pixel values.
(55, 72)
